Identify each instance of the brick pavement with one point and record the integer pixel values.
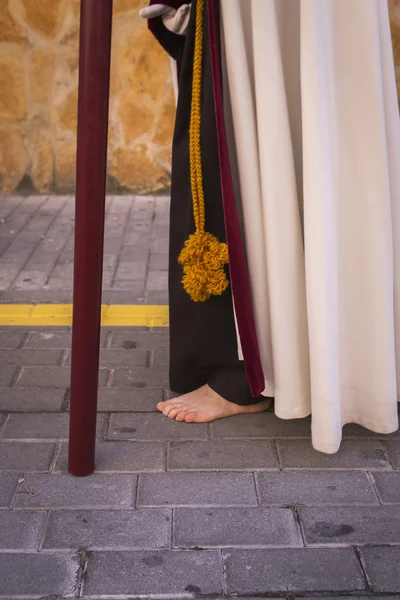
(241, 508)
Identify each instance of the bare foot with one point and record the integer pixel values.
(205, 405)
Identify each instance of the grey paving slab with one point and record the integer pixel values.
(356, 431)
(196, 489)
(163, 572)
(291, 488)
(161, 357)
(388, 487)
(27, 357)
(7, 374)
(31, 399)
(114, 358)
(108, 530)
(54, 377)
(359, 525)
(65, 491)
(21, 530)
(263, 425)
(46, 426)
(222, 455)
(140, 377)
(42, 296)
(123, 457)
(353, 454)
(153, 426)
(123, 400)
(38, 574)
(8, 487)
(235, 527)
(292, 570)
(132, 338)
(394, 453)
(31, 456)
(382, 567)
(11, 338)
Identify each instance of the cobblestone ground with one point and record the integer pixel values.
(240, 508)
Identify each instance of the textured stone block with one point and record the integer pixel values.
(123, 457)
(235, 527)
(263, 425)
(292, 570)
(290, 488)
(31, 399)
(351, 525)
(11, 338)
(222, 455)
(65, 491)
(45, 426)
(21, 530)
(382, 567)
(51, 377)
(8, 487)
(150, 426)
(156, 573)
(353, 454)
(108, 529)
(20, 456)
(394, 452)
(388, 486)
(138, 377)
(196, 489)
(134, 338)
(123, 400)
(25, 357)
(7, 373)
(38, 574)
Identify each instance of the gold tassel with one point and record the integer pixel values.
(203, 258)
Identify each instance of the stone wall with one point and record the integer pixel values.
(38, 98)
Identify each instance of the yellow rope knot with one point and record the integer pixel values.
(204, 256)
(203, 259)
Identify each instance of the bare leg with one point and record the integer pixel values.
(205, 405)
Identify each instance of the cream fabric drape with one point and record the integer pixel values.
(317, 146)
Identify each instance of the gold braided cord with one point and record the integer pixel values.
(203, 257)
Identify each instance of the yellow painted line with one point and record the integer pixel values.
(60, 315)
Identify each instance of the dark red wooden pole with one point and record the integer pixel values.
(94, 83)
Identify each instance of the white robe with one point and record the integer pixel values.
(317, 130)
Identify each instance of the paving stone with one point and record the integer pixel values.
(351, 525)
(161, 357)
(31, 399)
(161, 572)
(132, 338)
(42, 296)
(140, 377)
(157, 281)
(262, 425)
(8, 487)
(223, 455)
(394, 452)
(353, 454)
(159, 262)
(352, 430)
(45, 426)
(11, 337)
(7, 374)
(60, 338)
(291, 488)
(138, 400)
(114, 358)
(65, 491)
(133, 254)
(292, 570)
(38, 574)
(160, 246)
(21, 530)
(51, 377)
(132, 271)
(235, 527)
(388, 486)
(382, 568)
(108, 530)
(21, 456)
(125, 457)
(28, 357)
(196, 489)
(157, 298)
(152, 426)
